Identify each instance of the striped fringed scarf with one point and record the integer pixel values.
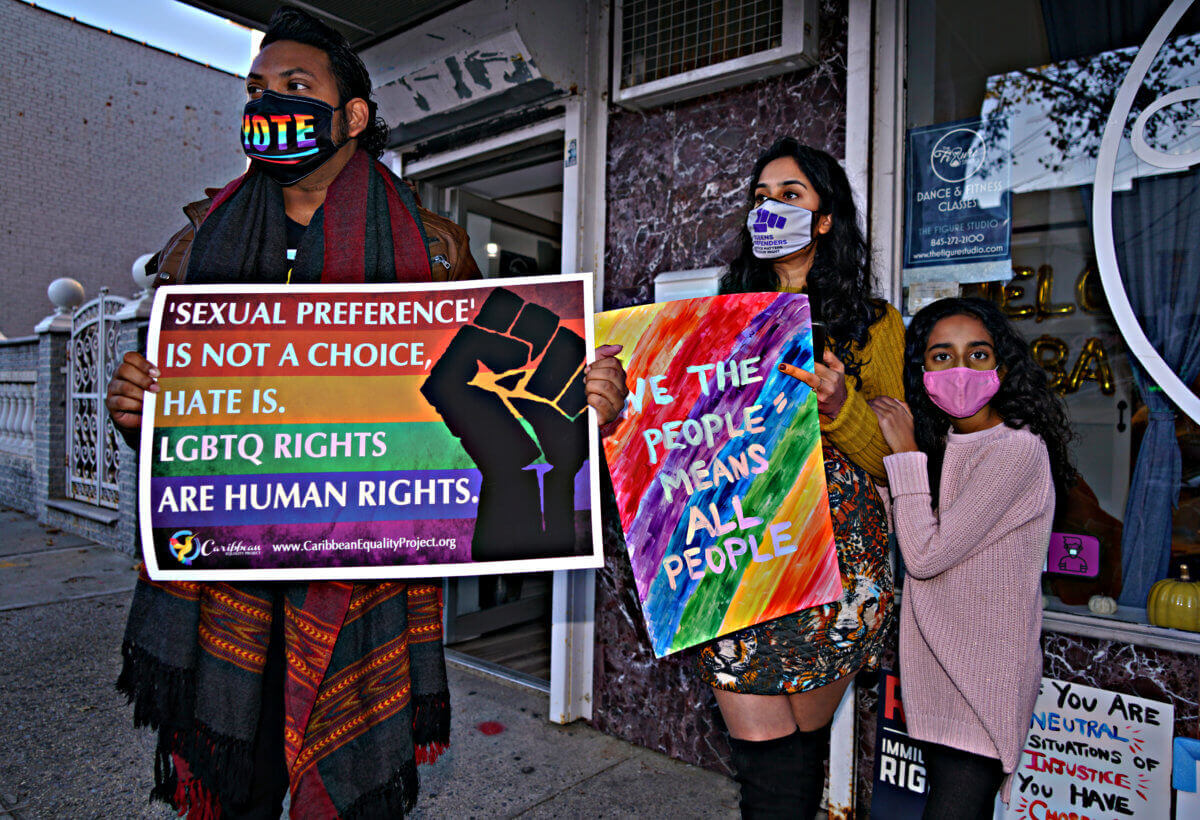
(365, 694)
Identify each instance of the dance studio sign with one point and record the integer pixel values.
(369, 432)
(717, 465)
(959, 222)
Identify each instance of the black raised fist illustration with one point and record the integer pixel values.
(483, 391)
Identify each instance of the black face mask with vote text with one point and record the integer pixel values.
(288, 137)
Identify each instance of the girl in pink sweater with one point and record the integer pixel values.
(975, 464)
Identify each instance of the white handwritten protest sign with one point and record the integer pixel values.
(1094, 755)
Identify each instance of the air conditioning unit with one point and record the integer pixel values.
(670, 50)
(687, 284)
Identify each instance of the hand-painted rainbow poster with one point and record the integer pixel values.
(369, 431)
(717, 465)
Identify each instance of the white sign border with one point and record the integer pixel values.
(1011, 811)
(373, 573)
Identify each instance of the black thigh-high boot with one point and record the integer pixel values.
(781, 778)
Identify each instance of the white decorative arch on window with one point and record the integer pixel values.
(1102, 196)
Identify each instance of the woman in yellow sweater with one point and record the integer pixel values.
(778, 683)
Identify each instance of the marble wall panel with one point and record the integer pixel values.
(678, 175)
(656, 703)
(677, 197)
(867, 708)
(1155, 674)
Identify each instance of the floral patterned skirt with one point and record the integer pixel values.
(816, 646)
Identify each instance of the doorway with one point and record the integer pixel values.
(508, 196)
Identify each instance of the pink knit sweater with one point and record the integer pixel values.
(971, 616)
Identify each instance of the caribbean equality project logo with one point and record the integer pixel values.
(183, 545)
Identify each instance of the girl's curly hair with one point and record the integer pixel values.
(840, 280)
(1023, 400)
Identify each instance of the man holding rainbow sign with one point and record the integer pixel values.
(330, 690)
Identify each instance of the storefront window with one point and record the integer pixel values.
(1031, 84)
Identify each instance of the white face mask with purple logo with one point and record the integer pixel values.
(778, 229)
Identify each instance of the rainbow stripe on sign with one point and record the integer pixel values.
(294, 430)
(717, 465)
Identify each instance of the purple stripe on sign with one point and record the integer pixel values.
(402, 495)
(583, 487)
(345, 543)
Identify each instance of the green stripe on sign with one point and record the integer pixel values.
(705, 610)
(306, 448)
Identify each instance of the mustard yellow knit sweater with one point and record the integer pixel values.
(855, 431)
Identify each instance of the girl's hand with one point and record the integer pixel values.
(896, 422)
(828, 382)
(129, 383)
(605, 383)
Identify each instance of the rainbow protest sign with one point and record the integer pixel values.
(717, 465)
(369, 432)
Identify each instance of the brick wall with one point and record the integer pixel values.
(104, 140)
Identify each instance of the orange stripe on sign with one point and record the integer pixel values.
(575, 325)
(291, 400)
(386, 352)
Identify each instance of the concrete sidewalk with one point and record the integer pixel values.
(68, 747)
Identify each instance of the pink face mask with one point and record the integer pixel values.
(960, 391)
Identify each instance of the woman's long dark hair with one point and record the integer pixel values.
(1023, 400)
(840, 279)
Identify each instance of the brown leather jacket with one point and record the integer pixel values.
(449, 248)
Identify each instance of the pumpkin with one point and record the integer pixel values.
(1102, 605)
(1175, 604)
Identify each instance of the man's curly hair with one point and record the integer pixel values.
(297, 25)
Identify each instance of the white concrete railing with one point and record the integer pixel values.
(17, 395)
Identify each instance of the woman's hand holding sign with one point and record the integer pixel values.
(828, 382)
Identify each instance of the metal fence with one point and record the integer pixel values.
(93, 454)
